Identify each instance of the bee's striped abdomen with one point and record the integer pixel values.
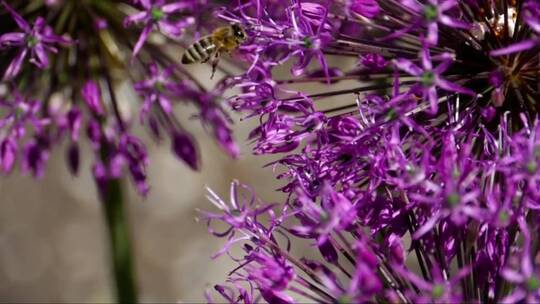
(199, 51)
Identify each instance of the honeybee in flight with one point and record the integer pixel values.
(223, 39)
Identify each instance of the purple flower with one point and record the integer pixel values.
(455, 194)
(214, 117)
(373, 61)
(436, 153)
(335, 212)
(124, 153)
(429, 77)
(163, 88)
(35, 156)
(432, 160)
(240, 214)
(157, 14)
(309, 34)
(271, 274)
(363, 284)
(527, 278)
(34, 40)
(134, 152)
(438, 290)
(431, 14)
(158, 89)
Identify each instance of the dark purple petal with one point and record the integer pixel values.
(184, 148)
(274, 297)
(35, 156)
(328, 252)
(73, 158)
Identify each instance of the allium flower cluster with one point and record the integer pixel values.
(66, 67)
(412, 171)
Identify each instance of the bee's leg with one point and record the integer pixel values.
(215, 61)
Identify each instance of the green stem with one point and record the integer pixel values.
(113, 203)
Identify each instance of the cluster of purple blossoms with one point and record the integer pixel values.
(64, 65)
(410, 153)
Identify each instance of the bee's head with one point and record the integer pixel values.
(239, 32)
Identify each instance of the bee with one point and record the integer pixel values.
(223, 39)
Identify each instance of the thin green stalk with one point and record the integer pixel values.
(118, 229)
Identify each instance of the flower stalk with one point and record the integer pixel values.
(120, 241)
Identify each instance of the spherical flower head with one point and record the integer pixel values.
(429, 137)
(75, 89)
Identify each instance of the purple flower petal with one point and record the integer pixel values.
(42, 61)
(136, 18)
(91, 94)
(366, 8)
(12, 39)
(408, 66)
(516, 47)
(142, 38)
(176, 7)
(21, 23)
(455, 23)
(452, 87)
(433, 33)
(8, 154)
(184, 148)
(15, 66)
